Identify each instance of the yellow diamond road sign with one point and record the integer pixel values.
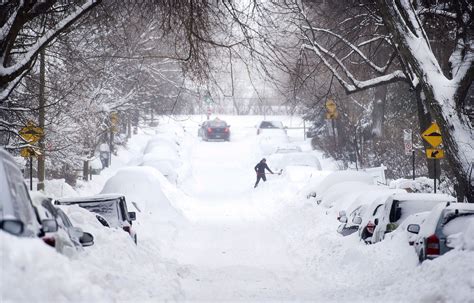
(432, 135)
(31, 133)
(27, 152)
(434, 153)
(331, 106)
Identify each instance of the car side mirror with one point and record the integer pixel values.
(376, 221)
(78, 231)
(132, 215)
(12, 226)
(49, 225)
(413, 228)
(357, 220)
(87, 239)
(343, 219)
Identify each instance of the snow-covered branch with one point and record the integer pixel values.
(355, 85)
(10, 73)
(353, 47)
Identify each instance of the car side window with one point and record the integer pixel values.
(123, 210)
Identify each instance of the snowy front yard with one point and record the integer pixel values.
(205, 234)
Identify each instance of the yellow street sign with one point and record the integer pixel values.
(332, 116)
(27, 152)
(114, 119)
(331, 106)
(434, 153)
(432, 135)
(31, 133)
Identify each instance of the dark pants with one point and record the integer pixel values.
(260, 176)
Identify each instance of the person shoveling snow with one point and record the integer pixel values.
(260, 170)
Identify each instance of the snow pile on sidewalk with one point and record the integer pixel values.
(32, 271)
(420, 185)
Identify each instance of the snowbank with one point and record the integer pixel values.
(144, 185)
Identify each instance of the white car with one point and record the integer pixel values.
(280, 161)
(363, 206)
(336, 177)
(398, 207)
(271, 127)
(287, 149)
(447, 226)
(59, 239)
(165, 166)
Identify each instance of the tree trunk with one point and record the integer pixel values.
(441, 98)
(41, 121)
(378, 112)
(85, 170)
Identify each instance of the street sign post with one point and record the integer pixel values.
(31, 134)
(332, 114)
(434, 153)
(409, 150)
(433, 136)
(29, 152)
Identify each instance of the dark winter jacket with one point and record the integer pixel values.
(260, 168)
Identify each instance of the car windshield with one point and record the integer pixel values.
(107, 209)
(271, 124)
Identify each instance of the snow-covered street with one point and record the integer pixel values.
(225, 241)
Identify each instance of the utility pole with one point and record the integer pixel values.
(41, 120)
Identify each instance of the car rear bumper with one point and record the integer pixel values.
(218, 137)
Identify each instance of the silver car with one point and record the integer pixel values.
(17, 214)
(439, 232)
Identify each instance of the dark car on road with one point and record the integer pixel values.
(214, 130)
(112, 207)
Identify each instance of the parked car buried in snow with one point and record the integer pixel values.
(112, 207)
(443, 229)
(17, 214)
(67, 239)
(363, 206)
(398, 207)
(271, 127)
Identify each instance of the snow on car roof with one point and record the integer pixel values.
(461, 206)
(423, 196)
